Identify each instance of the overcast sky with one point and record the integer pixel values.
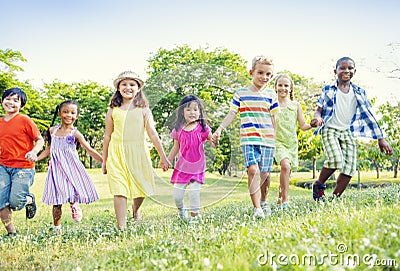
(95, 40)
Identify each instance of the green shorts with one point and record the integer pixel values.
(340, 150)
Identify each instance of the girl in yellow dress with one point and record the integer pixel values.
(126, 160)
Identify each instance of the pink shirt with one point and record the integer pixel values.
(191, 163)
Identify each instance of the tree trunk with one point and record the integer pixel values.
(377, 168)
(314, 168)
(396, 168)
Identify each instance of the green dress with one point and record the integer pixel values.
(286, 135)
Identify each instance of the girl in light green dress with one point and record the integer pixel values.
(286, 136)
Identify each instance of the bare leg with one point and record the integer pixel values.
(120, 211)
(284, 180)
(253, 185)
(325, 174)
(264, 184)
(137, 202)
(6, 218)
(57, 213)
(341, 184)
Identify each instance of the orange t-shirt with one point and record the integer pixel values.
(17, 137)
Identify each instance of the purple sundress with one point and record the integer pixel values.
(67, 179)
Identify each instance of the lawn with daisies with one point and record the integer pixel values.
(359, 231)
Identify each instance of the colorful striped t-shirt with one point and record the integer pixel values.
(256, 109)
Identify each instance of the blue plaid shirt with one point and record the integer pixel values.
(363, 123)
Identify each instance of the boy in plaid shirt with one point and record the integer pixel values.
(343, 112)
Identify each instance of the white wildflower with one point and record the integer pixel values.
(366, 242)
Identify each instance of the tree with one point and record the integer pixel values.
(93, 102)
(8, 70)
(390, 123)
(390, 63)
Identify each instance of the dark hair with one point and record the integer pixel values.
(185, 102)
(58, 109)
(345, 58)
(139, 100)
(15, 91)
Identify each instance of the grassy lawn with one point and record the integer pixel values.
(360, 231)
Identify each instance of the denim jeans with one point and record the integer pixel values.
(14, 186)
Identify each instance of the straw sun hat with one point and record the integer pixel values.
(128, 75)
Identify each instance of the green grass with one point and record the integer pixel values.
(364, 222)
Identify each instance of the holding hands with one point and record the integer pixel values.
(31, 156)
(316, 122)
(164, 164)
(216, 136)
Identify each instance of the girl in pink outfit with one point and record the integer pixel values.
(190, 133)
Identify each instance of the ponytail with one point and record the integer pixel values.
(48, 135)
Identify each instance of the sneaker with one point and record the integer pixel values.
(182, 213)
(318, 190)
(285, 206)
(258, 213)
(30, 208)
(76, 212)
(57, 230)
(265, 207)
(195, 219)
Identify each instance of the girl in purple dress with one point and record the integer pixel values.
(67, 180)
(190, 133)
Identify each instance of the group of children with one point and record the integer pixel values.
(267, 132)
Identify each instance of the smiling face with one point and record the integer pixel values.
(11, 104)
(68, 113)
(191, 113)
(261, 74)
(345, 70)
(283, 87)
(128, 89)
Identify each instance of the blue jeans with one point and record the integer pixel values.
(14, 186)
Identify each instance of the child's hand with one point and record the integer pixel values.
(385, 147)
(31, 156)
(161, 165)
(317, 122)
(104, 168)
(164, 164)
(215, 137)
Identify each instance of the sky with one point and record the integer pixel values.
(82, 40)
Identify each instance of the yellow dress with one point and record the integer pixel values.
(129, 169)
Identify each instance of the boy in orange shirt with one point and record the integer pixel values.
(20, 141)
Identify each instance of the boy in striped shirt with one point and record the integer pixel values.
(257, 107)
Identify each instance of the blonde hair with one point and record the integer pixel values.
(261, 59)
(291, 83)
